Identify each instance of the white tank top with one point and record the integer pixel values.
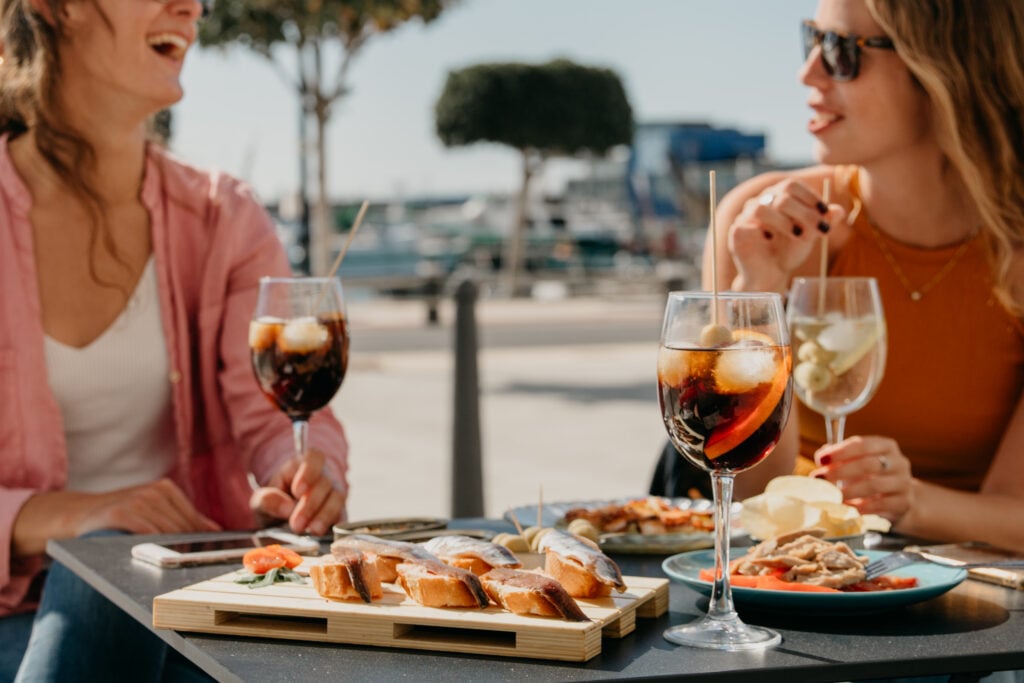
(115, 397)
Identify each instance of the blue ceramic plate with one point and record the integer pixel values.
(932, 580)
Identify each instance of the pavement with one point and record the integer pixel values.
(568, 405)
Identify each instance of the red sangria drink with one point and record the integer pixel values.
(298, 344)
(299, 363)
(724, 408)
(725, 388)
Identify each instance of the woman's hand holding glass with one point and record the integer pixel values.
(872, 472)
(298, 340)
(302, 493)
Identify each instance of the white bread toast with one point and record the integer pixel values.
(574, 577)
(334, 580)
(432, 589)
(523, 592)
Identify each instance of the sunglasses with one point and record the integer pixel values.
(840, 52)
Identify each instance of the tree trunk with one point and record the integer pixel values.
(320, 259)
(513, 265)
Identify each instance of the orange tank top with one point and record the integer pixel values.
(955, 363)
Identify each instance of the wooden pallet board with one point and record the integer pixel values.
(297, 612)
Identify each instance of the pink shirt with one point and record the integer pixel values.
(212, 241)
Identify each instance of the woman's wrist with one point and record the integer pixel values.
(743, 283)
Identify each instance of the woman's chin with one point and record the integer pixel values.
(823, 154)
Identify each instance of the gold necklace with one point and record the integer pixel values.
(916, 293)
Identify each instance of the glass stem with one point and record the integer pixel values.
(834, 427)
(721, 593)
(300, 435)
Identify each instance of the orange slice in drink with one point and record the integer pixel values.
(723, 441)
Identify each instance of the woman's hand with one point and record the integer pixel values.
(158, 507)
(775, 233)
(872, 473)
(153, 508)
(301, 492)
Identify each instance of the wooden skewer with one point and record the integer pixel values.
(515, 522)
(351, 234)
(714, 249)
(341, 254)
(824, 255)
(540, 508)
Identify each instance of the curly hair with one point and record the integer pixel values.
(968, 56)
(29, 74)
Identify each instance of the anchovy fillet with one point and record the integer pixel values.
(463, 546)
(592, 559)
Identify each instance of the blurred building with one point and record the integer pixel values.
(642, 207)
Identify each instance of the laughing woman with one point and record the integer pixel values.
(127, 278)
(918, 117)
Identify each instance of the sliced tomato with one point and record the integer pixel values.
(883, 583)
(769, 582)
(262, 560)
(723, 441)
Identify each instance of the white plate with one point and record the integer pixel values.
(655, 544)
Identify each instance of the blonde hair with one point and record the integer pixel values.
(968, 56)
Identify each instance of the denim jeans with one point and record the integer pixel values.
(79, 635)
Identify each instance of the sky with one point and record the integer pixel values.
(731, 63)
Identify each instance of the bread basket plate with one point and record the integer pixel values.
(553, 515)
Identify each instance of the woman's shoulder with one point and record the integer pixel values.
(195, 188)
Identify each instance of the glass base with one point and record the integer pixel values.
(723, 634)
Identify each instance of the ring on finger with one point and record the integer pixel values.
(884, 463)
(766, 199)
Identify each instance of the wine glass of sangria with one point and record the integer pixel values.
(298, 340)
(725, 389)
(839, 334)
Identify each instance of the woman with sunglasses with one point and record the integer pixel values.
(918, 119)
(128, 278)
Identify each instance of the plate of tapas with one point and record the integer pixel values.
(810, 575)
(641, 525)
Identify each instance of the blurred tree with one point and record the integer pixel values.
(312, 28)
(553, 109)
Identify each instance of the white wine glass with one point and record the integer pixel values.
(725, 389)
(840, 337)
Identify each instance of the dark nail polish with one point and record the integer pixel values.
(822, 209)
(797, 230)
(824, 227)
(825, 460)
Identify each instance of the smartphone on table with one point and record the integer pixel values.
(205, 550)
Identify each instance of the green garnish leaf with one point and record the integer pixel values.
(275, 575)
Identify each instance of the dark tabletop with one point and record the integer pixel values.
(975, 627)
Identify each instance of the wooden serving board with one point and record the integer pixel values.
(297, 612)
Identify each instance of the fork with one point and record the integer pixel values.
(902, 558)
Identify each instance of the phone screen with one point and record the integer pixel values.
(221, 544)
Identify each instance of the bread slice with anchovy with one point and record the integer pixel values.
(435, 584)
(522, 592)
(346, 575)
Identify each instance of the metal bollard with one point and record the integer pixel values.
(467, 494)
